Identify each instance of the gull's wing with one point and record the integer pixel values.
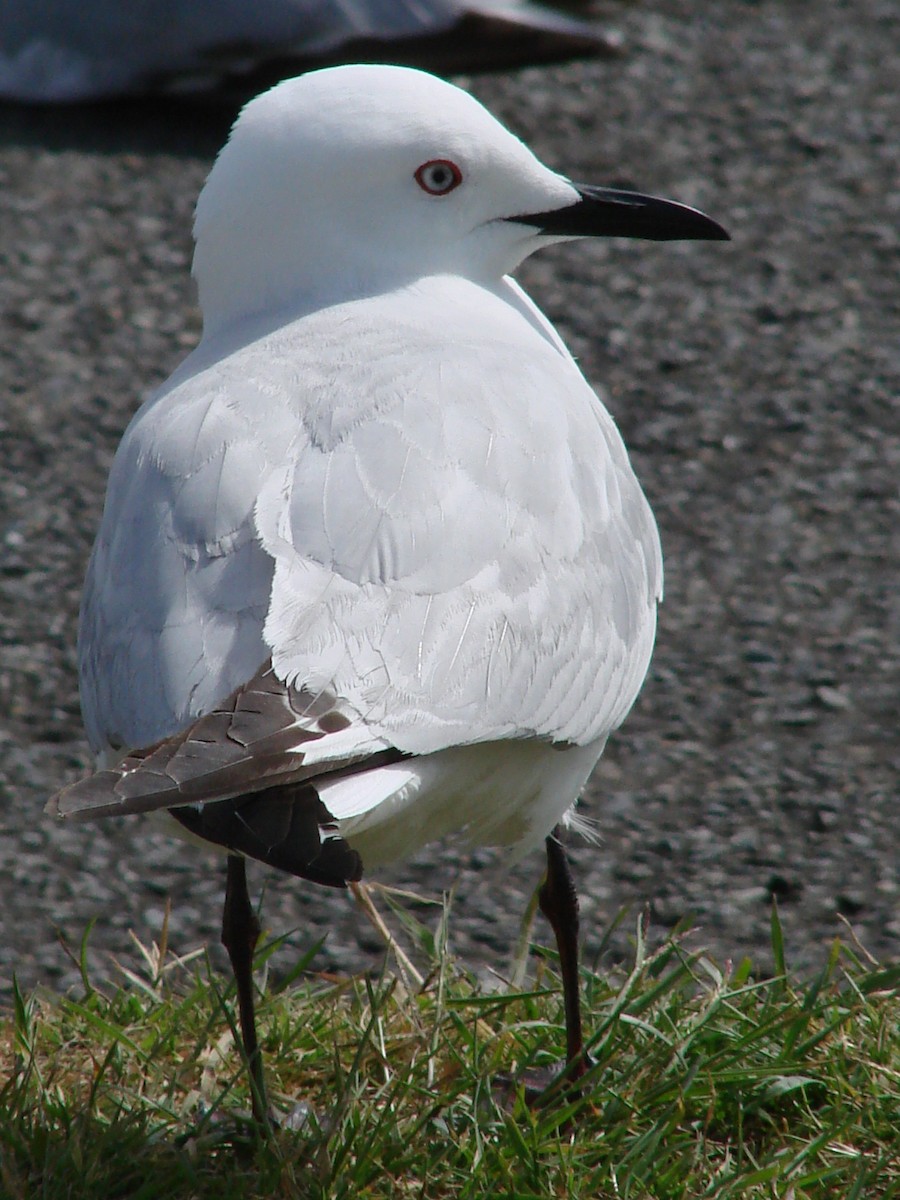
(242, 777)
(261, 736)
(439, 530)
(465, 554)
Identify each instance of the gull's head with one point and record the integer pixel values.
(353, 180)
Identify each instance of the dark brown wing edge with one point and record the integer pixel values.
(219, 778)
(247, 744)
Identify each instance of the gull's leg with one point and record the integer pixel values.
(559, 904)
(240, 933)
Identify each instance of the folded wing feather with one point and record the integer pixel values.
(264, 735)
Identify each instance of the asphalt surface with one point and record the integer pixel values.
(755, 383)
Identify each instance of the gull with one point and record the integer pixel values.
(48, 53)
(373, 567)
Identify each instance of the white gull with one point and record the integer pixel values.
(374, 566)
(59, 51)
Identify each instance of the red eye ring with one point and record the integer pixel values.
(438, 176)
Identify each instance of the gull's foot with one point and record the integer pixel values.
(240, 1129)
(542, 1087)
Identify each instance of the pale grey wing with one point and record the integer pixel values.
(452, 544)
(468, 556)
(178, 586)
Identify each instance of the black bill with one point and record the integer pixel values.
(608, 212)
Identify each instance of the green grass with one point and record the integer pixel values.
(707, 1084)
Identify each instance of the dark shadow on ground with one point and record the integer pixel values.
(184, 128)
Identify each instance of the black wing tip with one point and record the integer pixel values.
(77, 801)
(286, 827)
(713, 232)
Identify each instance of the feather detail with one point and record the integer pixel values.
(265, 733)
(286, 827)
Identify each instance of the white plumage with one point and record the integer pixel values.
(374, 566)
(381, 469)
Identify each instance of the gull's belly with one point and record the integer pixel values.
(508, 793)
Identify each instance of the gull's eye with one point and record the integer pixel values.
(438, 176)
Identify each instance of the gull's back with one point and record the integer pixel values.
(413, 499)
(382, 476)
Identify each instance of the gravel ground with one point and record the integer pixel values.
(754, 383)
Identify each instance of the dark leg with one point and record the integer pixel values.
(240, 933)
(559, 904)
